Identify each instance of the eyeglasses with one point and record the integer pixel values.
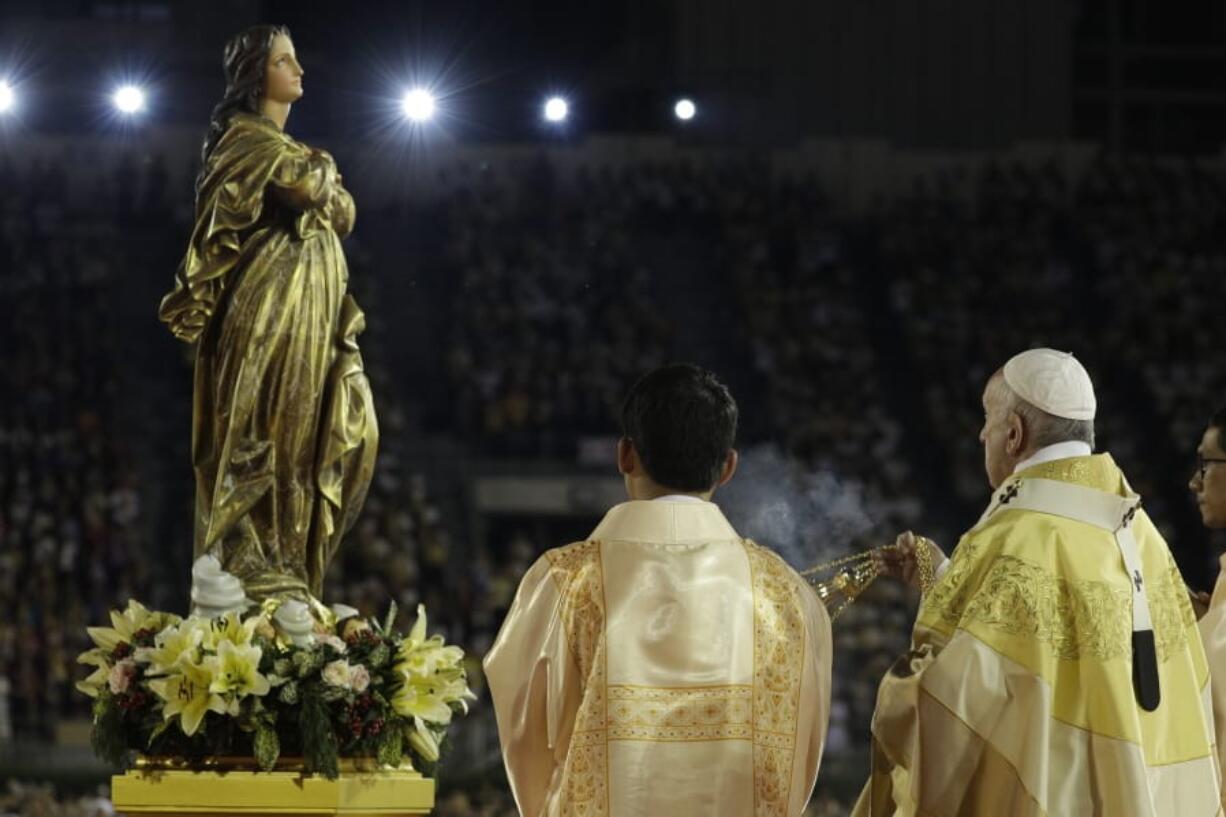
(1203, 463)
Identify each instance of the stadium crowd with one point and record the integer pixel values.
(554, 294)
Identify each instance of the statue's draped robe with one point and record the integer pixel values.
(1017, 697)
(663, 667)
(284, 432)
(1213, 633)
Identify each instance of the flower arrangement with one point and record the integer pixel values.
(196, 687)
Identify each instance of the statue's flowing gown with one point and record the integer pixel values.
(284, 431)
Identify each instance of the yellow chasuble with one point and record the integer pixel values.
(665, 666)
(1018, 695)
(1213, 633)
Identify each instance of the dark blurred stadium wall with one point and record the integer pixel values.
(954, 73)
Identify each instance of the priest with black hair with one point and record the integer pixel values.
(665, 665)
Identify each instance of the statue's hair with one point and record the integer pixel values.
(245, 61)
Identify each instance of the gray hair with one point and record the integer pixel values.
(1047, 429)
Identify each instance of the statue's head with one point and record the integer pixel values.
(260, 62)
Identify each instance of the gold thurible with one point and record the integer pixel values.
(855, 572)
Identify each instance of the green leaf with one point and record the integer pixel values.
(156, 733)
(267, 748)
(378, 656)
(289, 693)
(331, 693)
(390, 747)
(308, 661)
(318, 740)
(390, 620)
(107, 736)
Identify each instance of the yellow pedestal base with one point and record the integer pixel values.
(379, 793)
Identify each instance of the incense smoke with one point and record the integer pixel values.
(807, 516)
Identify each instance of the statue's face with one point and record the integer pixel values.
(283, 76)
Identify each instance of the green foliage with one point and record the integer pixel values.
(288, 694)
(319, 750)
(307, 662)
(379, 656)
(390, 620)
(108, 736)
(332, 693)
(156, 733)
(390, 747)
(267, 747)
(444, 749)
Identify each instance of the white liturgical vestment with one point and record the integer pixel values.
(665, 666)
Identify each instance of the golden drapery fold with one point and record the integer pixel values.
(284, 430)
(664, 666)
(1017, 696)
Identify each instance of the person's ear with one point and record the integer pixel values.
(730, 463)
(1015, 437)
(626, 458)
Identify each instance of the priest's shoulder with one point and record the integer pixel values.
(774, 578)
(767, 554)
(567, 563)
(765, 559)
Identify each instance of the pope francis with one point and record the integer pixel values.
(1055, 667)
(665, 665)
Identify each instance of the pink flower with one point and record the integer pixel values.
(121, 676)
(359, 678)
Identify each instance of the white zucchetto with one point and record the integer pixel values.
(1052, 381)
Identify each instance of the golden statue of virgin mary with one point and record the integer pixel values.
(284, 432)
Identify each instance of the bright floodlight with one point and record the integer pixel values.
(556, 109)
(418, 104)
(685, 109)
(129, 99)
(7, 97)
